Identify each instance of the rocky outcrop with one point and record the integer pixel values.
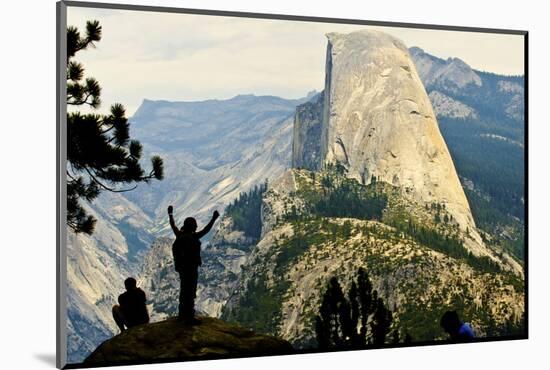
(306, 139)
(173, 340)
(379, 122)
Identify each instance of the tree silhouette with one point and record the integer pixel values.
(381, 321)
(100, 154)
(360, 321)
(328, 323)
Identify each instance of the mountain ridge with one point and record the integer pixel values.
(212, 294)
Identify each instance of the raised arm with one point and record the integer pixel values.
(207, 228)
(172, 223)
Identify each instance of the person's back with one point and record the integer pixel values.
(187, 259)
(132, 305)
(186, 251)
(131, 309)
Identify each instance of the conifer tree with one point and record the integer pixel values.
(359, 321)
(328, 324)
(100, 154)
(381, 322)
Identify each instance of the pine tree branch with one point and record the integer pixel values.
(79, 102)
(81, 47)
(105, 186)
(109, 129)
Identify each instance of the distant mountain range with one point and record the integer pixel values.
(216, 149)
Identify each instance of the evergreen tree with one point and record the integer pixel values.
(245, 211)
(328, 323)
(100, 154)
(359, 321)
(381, 322)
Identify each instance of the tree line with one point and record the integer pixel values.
(245, 211)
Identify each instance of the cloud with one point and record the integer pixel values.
(171, 56)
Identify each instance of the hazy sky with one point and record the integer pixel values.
(177, 57)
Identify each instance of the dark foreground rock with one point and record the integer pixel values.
(173, 340)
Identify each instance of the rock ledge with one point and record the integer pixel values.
(173, 340)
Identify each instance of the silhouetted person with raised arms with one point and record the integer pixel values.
(131, 310)
(458, 331)
(187, 259)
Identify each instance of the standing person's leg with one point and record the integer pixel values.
(193, 289)
(119, 317)
(186, 312)
(188, 291)
(181, 306)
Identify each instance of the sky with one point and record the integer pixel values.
(184, 57)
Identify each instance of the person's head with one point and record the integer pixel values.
(450, 323)
(189, 225)
(130, 283)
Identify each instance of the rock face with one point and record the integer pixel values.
(172, 340)
(306, 139)
(378, 122)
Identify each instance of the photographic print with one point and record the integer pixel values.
(242, 185)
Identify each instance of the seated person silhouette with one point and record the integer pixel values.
(186, 251)
(458, 331)
(130, 310)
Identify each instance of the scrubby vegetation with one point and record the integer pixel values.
(449, 245)
(395, 239)
(340, 196)
(260, 307)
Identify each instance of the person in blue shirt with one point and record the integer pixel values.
(458, 331)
